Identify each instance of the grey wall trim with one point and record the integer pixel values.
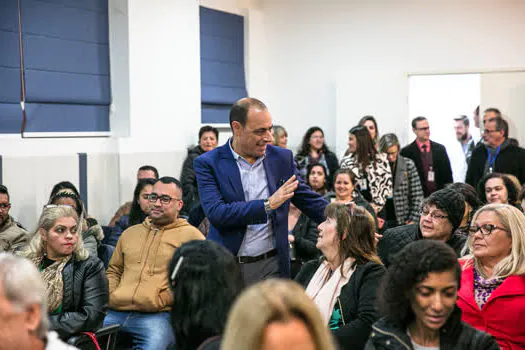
(82, 178)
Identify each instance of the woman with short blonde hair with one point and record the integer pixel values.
(76, 283)
(493, 279)
(268, 302)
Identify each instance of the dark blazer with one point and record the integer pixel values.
(454, 335)
(85, 300)
(441, 164)
(305, 233)
(222, 198)
(357, 300)
(511, 160)
(397, 238)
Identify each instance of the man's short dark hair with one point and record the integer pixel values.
(416, 120)
(149, 168)
(208, 128)
(239, 111)
(464, 119)
(493, 110)
(4, 190)
(501, 124)
(170, 180)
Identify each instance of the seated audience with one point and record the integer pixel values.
(374, 177)
(275, 315)
(140, 299)
(497, 188)
(64, 185)
(302, 236)
(418, 301)
(472, 203)
(440, 216)
(92, 233)
(344, 282)
(208, 140)
(492, 293)
(76, 283)
(205, 280)
(280, 136)
(13, 237)
(316, 178)
(144, 172)
(346, 191)
(23, 310)
(369, 122)
(314, 150)
(402, 208)
(140, 209)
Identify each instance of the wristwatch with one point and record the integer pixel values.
(267, 206)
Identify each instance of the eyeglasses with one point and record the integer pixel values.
(50, 206)
(164, 199)
(423, 129)
(489, 131)
(5, 205)
(485, 229)
(433, 215)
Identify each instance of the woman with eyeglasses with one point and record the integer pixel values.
(314, 150)
(343, 283)
(76, 283)
(492, 293)
(374, 177)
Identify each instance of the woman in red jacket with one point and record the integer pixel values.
(492, 294)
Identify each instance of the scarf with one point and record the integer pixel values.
(325, 286)
(483, 288)
(52, 277)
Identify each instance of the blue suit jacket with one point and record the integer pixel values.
(222, 198)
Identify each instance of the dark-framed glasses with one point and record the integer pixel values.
(164, 199)
(5, 205)
(485, 229)
(434, 215)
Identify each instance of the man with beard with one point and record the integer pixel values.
(12, 236)
(464, 137)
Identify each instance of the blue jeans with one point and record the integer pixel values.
(148, 331)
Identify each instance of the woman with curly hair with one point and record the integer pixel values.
(498, 188)
(418, 303)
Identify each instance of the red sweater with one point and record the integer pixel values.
(503, 316)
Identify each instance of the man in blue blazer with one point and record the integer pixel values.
(245, 187)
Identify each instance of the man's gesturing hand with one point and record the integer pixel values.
(283, 193)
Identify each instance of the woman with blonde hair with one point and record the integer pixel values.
(76, 283)
(492, 293)
(343, 283)
(275, 314)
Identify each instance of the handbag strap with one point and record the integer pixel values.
(93, 338)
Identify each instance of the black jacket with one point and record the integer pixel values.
(190, 193)
(510, 160)
(357, 300)
(85, 300)
(454, 335)
(305, 233)
(397, 238)
(441, 164)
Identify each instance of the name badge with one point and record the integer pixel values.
(431, 176)
(362, 184)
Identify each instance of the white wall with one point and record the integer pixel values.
(365, 48)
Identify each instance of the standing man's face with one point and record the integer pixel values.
(492, 136)
(253, 138)
(461, 131)
(488, 117)
(422, 131)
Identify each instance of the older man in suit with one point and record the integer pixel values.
(431, 159)
(245, 187)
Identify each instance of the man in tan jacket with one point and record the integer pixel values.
(12, 237)
(139, 298)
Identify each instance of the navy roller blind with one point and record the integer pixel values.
(66, 65)
(10, 109)
(222, 63)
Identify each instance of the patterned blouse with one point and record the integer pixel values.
(376, 178)
(483, 288)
